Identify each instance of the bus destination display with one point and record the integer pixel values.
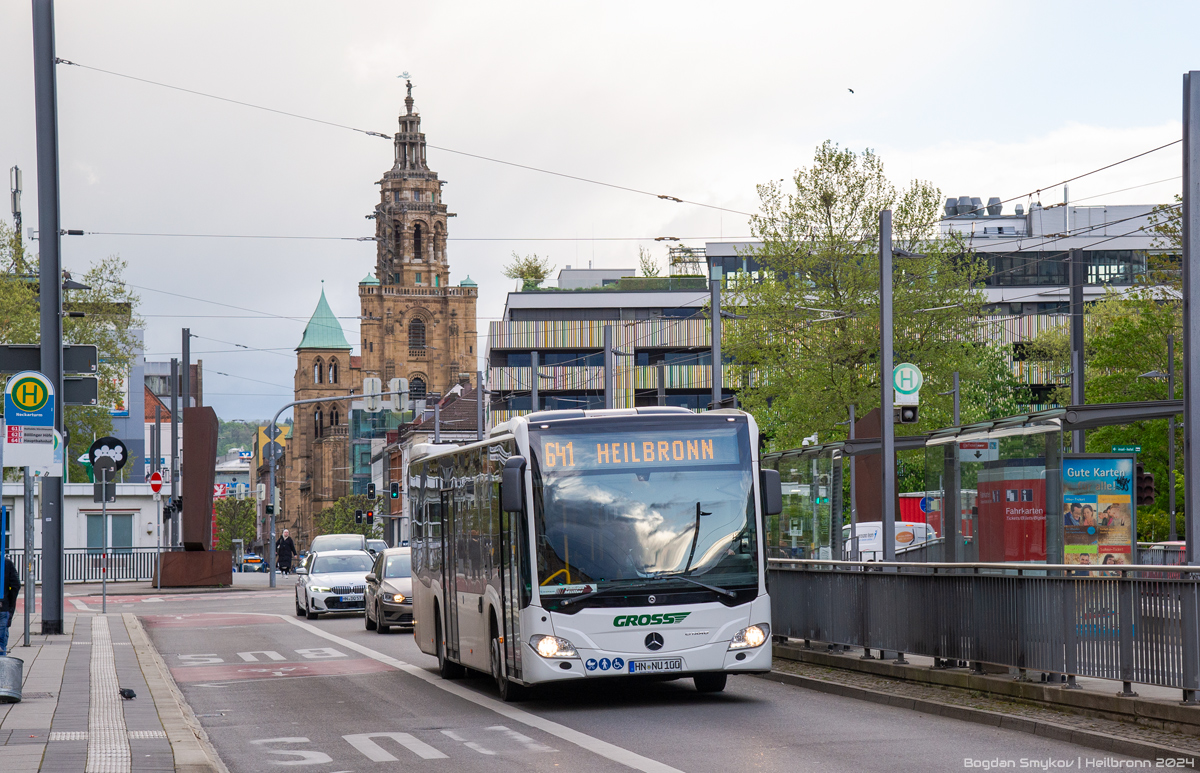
(612, 450)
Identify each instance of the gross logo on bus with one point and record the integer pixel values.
(665, 618)
(29, 394)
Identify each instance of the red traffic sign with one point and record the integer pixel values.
(156, 482)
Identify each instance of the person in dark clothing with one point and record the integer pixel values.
(285, 551)
(8, 602)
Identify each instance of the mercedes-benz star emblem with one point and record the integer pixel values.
(654, 641)
(652, 599)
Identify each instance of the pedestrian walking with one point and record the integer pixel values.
(8, 602)
(285, 551)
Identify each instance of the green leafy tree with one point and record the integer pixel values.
(530, 269)
(109, 320)
(1125, 336)
(339, 517)
(235, 520)
(647, 262)
(811, 339)
(237, 434)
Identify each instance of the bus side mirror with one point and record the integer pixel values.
(772, 492)
(512, 485)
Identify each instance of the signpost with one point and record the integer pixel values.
(1127, 449)
(906, 381)
(156, 484)
(30, 441)
(107, 455)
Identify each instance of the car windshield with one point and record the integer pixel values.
(377, 544)
(397, 566)
(337, 542)
(331, 564)
(617, 506)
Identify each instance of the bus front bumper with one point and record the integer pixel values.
(707, 658)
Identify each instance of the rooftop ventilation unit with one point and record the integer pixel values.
(994, 207)
(976, 206)
(951, 207)
(1019, 209)
(964, 205)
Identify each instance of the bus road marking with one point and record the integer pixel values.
(584, 741)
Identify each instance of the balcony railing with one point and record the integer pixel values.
(416, 354)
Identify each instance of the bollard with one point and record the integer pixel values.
(10, 679)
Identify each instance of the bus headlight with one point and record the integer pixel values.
(552, 646)
(754, 636)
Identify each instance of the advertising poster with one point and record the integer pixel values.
(1098, 511)
(1012, 511)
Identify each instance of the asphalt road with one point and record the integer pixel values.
(277, 692)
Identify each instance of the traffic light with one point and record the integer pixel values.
(269, 510)
(370, 517)
(370, 491)
(358, 514)
(1145, 486)
(395, 491)
(905, 414)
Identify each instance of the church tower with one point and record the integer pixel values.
(414, 324)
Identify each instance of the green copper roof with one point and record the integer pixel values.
(323, 330)
(468, 282)
(369, 279)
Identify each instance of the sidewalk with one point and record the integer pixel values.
(1151, 725)
(72, 718)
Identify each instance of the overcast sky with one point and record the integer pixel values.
(696, 100)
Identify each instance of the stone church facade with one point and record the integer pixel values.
(414, 325)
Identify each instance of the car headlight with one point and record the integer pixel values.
(395, 598)
(753, 636)
(552, 646)
(319, 589)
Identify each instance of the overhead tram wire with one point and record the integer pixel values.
(370, 133)
(448, 238)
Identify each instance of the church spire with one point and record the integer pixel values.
(410, 142)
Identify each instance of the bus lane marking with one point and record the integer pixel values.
(618, 754)
(376, 753)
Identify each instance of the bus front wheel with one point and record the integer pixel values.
(710, 682)
(509, 691)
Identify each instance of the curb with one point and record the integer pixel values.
(1087, 738)
(189, 743)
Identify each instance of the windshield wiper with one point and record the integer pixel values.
(693, 581)
(573, 599)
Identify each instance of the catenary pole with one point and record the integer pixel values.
(171, 535)
(853, 496)
(534, 378)
(886, 419)
(156, 455)
(714, 282)
(1174, 535)
(45, 92)
(1190, 600)
(608, 366)
(273, 430)
(1076, 267)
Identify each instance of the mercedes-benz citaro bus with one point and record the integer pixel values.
(573, 545)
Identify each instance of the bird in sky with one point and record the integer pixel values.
(850, 90)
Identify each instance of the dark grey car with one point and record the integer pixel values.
(388, 599)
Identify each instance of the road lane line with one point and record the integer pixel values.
(376, 753)
(604, 749)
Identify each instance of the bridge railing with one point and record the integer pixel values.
(1116, 622)
(87, 564)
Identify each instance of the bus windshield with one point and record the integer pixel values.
(624, 507)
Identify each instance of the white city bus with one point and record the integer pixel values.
(589, 544)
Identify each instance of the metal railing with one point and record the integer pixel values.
(86, 564)
(1110, 622)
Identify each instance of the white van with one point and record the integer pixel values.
(870, 538)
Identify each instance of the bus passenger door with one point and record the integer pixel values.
(510, 588)
(450, 572)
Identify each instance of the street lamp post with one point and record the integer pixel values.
(271, 485)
